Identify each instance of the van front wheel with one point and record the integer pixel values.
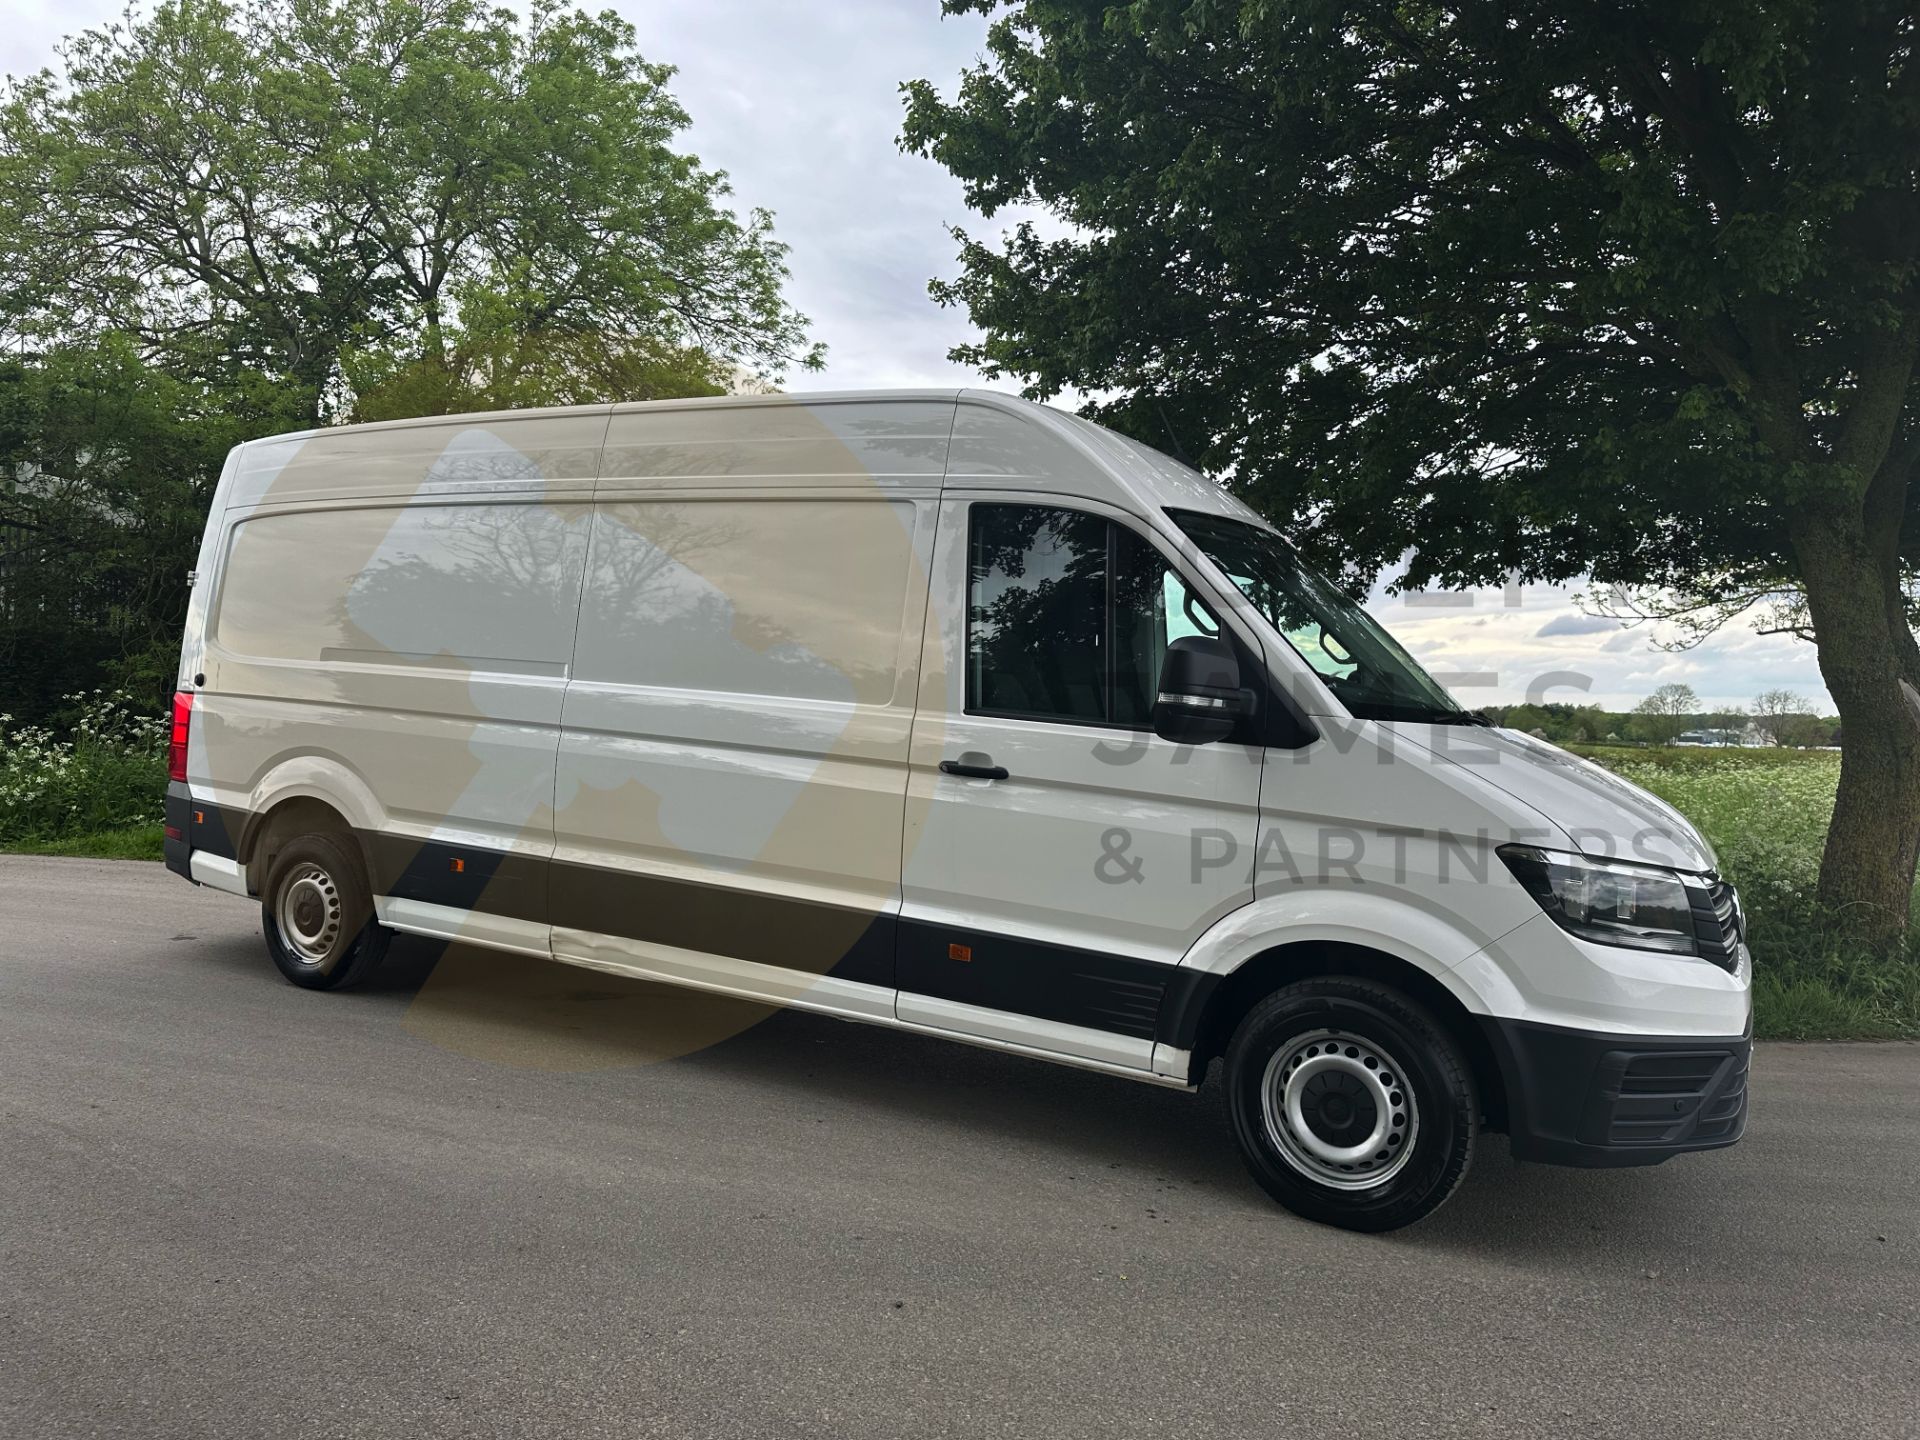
(317, 911)
(1352, 1104)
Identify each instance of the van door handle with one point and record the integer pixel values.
(971, 765)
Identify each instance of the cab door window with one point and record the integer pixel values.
(1068, 616)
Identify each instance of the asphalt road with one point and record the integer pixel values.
(490, 1197)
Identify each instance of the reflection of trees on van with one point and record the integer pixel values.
(475, 582)
(636, 549)
(1069, 615)
(1036, 598)
(722, 598)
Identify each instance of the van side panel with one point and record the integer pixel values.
(732, 770)
(402, 658)
(880, 444)
(511, 454)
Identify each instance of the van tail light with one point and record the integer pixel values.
(177, 743)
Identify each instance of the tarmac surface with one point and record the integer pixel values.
(486, 1196)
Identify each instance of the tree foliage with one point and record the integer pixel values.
(107, 464)
(1775, 713)
(1627, 290)
(1561, 289)
(1665, 713)
(227, 218)
(306, 185)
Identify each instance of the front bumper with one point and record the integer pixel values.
(1576, 1097)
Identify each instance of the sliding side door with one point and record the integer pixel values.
(732, 769)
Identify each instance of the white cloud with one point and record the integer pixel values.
(1578, 625)
(1541, 646)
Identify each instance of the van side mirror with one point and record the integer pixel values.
(1200, 696)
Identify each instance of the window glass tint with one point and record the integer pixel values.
(1036, 612)
(1069, 616)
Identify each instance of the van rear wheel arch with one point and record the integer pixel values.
(1241, 990)
(273, 829)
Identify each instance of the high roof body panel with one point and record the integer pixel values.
(969, 439)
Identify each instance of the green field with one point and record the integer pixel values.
(1765, 812)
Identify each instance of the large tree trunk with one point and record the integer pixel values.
(1849, 563)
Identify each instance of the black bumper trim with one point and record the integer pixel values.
(196, 825)
(176, 814)
(1577, 1097)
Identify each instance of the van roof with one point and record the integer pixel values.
(959, 437)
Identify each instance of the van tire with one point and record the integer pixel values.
(317, 911)
(1327, 1067)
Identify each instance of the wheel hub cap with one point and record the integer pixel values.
(1338, 1110)
(309, 916)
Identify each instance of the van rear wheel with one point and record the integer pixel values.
(317, 911)
(1351, 1103)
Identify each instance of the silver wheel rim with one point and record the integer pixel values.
(1339, 1110)
(308, 914)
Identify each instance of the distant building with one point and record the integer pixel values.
(1742, 736)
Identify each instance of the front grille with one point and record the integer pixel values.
(1717, 923)
(1669, 1096)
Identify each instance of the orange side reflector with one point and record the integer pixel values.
(959, 952)
(199, 817)
(459, 867)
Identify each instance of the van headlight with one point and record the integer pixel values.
(1607, 901)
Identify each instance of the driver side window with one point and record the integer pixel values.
(1069, 616)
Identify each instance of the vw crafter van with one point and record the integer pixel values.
(948, 712)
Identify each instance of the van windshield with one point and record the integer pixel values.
(1361, 663)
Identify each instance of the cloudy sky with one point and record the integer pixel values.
(800, 105)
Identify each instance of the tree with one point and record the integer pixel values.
(1775, 710)
(1664, 713)
(106, 468)
(1804, 731)
(1561, 289)
(225, 220)
(1730, 722)
(309, 186)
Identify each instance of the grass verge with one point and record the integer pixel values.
(127, 842)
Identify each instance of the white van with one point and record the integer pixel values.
(949, 712)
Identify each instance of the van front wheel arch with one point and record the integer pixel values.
(1351, 1103)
